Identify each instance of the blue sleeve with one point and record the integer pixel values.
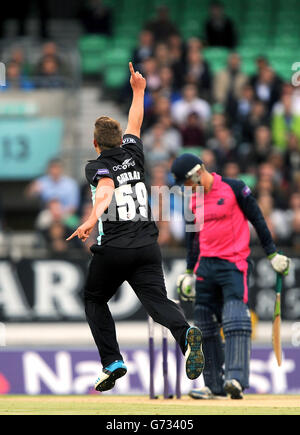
(192, 247)
(251, 210)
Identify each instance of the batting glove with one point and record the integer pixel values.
(280, 263)
(186, 286)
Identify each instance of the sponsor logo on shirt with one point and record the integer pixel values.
(101, 172)
(126, 164)
(246, 191)
(221, 201)
(128, 140)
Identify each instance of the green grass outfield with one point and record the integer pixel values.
(141, 405)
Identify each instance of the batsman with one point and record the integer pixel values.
(218, 255)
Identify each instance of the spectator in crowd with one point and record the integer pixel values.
(177, 58)
(192, 131)
(151, 74)
(159, 212)
(219, 29)
(262, 146)
(167, 85)
(189, 103)
(15, 80)
(55, 185)
(96, 17)
(54, 225)
(267, 87)
(295, 237)
(231, 170)
(209, 159)
(144, 50)
(50, 77)
(197, 72)
(230, 82)
(160, 106)
(224, 145)
(51, 51)
(159, 145)
(292, 156)
(162, 55)
(18, 55)
(266, 204)
(161, 25)
(257, 116)
(285, 120)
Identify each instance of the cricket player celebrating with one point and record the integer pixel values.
(127, 248)
(219, 255)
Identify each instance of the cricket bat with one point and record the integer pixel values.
(276, 339)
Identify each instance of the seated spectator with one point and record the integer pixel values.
(15, 80)
(266, 204)
(56, 185)
(194, 44)
(268, 183)
(50, 50)
(167, 85)
(197, 72)
(230, 82)
(239, 108)
(50, 77)
(285, 119)
(162, 55)
(267, 87)
(160, 106)
(177, 57)
(96, 17)
(257, 116)
(159, 211)
(159, 146)
(261, 149)
(219, 29)
(295, 237)
(151, 74)
(144, 50)
(18, 55)
(292, 156)
(223, 144)
(261, 63)
(209, 159)
(161, 25)
(55, 225)
(192, 131)
(189, 103)
(231, 170)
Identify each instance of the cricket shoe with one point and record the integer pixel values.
(205, 393)
(109, 375)
(194, 356)
(234, 389)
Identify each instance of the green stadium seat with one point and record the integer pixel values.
(91, 64)
(93, 43)
(216, 57)
(116, 57)
(128, 43)
(114, 78)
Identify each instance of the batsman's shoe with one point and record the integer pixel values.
(205, 393)
(194, 356)
(109, 375)
(234, 389)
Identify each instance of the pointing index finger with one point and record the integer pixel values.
(131, 68)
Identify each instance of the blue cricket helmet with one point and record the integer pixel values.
(182, 165)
